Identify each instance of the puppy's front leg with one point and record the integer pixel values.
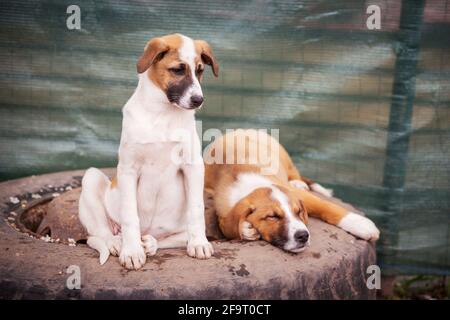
(197, 246)
(132, 255)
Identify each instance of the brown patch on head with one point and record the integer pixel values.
(173, 76)
(264, 213)
(166, 70)
(160, 54)
(156, 49)
(268, 218)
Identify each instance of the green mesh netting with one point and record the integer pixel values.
(366, 112)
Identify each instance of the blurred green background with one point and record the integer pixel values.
(365, 112)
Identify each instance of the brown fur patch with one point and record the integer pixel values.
(114, 182)
(162, 53)
(159, 73)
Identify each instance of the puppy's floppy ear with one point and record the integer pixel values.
(303, 213)
(154, 51)
(231, 223)
(207, 55)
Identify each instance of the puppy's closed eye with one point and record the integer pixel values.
(179, 70)
(272, 217)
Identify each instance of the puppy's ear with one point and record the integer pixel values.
(207, 55)
(154, 51)
(303, 213)
(298, 204)
(231, 223)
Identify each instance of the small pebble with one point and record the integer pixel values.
(68, 188)
(36, 196)
(56, 194)
(11, 219)
(13, 213)
(72, 242)
(14, 200)
(46, 238)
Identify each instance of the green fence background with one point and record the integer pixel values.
(365, 112)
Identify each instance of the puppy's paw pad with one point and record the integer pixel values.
(132, 257)
(299, 184)
(150, 245)
(359, 226)
(200, 249)
(248, 232)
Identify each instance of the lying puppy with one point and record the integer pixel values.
(272, 205)
(156, 200)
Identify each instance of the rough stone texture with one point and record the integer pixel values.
(62, 217)
(332, 268)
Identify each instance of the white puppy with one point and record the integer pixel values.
(156, 199)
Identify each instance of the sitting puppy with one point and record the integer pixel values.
(156, 200)
(268, 198)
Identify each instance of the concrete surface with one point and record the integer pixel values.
(334, 267)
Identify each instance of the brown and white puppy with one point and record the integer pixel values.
(156, 200)
(253, 204)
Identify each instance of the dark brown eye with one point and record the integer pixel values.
(179, 71)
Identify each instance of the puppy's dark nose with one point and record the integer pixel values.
(196, 101)
(301, 236)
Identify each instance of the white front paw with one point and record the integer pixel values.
(150, 244)
(320, 189)
(132, 256)
(248, 232)
(200, 248)
(359, 226)
(298, 184)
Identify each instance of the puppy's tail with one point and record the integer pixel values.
(99, 244)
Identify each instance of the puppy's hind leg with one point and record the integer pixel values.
(93, 214)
